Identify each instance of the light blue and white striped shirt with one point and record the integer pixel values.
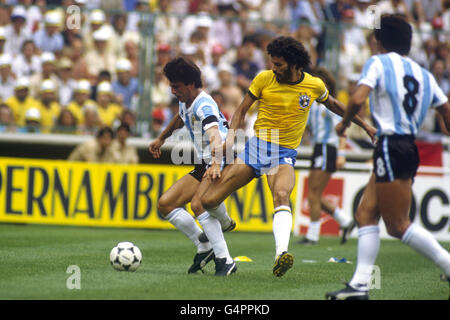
(321, 122)
(201, 115)
(402, 93)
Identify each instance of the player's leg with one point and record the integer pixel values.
(171, 206)
(394, 203)
(213, 229)
(281, 185)
(317, 182)
(232, 178)
(367, 217)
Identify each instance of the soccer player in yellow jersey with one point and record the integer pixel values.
(285, 95)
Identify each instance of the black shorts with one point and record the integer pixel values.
(395, 157)
(199, 171)
(324, 157)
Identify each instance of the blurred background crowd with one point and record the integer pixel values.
(64, 72)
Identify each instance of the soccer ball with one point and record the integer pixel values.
(125, 257)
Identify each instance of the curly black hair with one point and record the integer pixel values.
(291, 50)
(183, 70)
(395, 33)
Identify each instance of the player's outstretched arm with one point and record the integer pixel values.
(444, 112)
(155, 146)
(350, 114)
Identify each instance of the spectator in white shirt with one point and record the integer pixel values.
(16, 33)
(26, 63)
(7, 81)
(50, 38)
(66, 83)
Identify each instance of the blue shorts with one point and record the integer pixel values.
(262, 156)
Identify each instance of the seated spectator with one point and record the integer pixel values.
(125, 87)
(211, 70)
(16, 31)
(21, 100)
(66, 123)
(2, 39)
(158, 118)
(122, 35)
(99, 58)
(66, 83)
(227, 31)
(132, 54)
(48, 106)
(129, 118)
(97, 22)
(164, 54)
(97, 149)
(91, 119)
(108, 110)
(48, 61)
(32, 121)
(438, 70)
(166, 25)
(245, 68)
(80, 99)
(50, 38)
(6, 119)
(80, 64)
(27, 62)
(103, 76)
(124, 153)
(7, 80)
(160, 88)
(232, 93)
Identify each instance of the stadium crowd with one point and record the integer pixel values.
(61, 78)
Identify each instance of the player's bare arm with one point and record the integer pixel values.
(215, 144)
(444, 112)
(155, 146)
(350, 113)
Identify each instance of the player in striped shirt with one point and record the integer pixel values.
(401, 92)
(328, 156)
(207, 127)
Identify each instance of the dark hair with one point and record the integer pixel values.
(327, 78)
(124, 126)
(104, 130)
(183, 70)
(394, 34)
(291, 50)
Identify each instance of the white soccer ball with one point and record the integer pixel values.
(125, 257)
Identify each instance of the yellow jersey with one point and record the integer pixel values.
(77, 110)
(109, 114)
(18, 108)
(49, 115)
(283, 107)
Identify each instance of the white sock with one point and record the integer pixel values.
(341, 218)
(313, 231)
(368, 247)
(423, 242)
(282, 226)
(183, 221)
(213, 231)
(220, 213)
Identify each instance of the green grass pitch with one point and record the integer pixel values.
(34, 260)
